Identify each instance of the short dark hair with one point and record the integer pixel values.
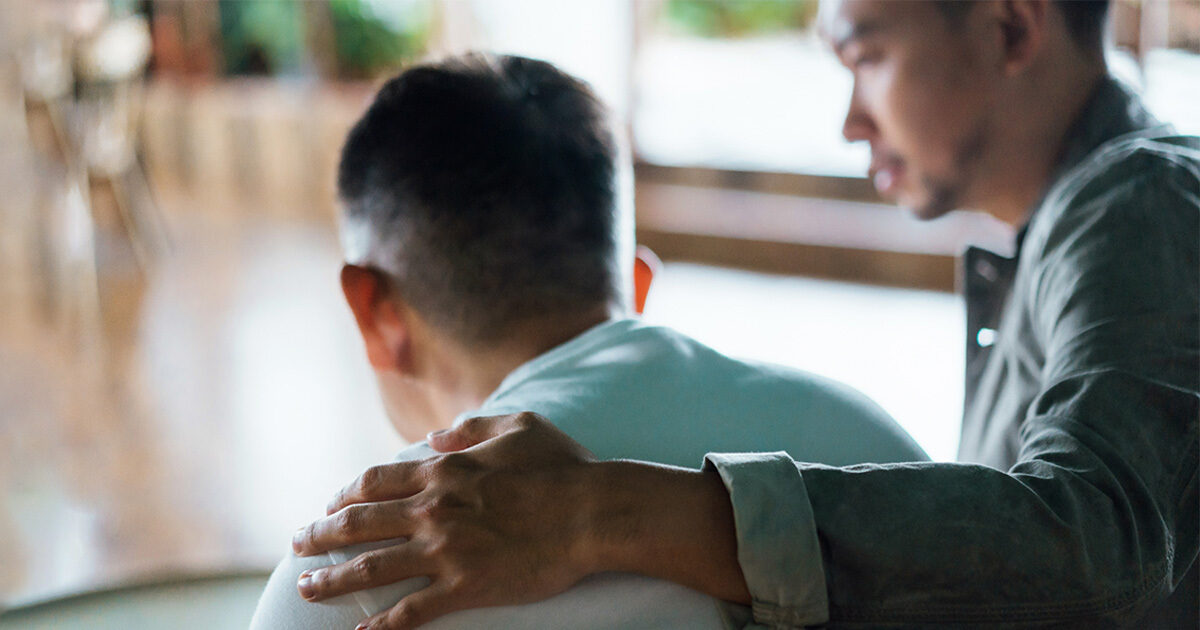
(1084, 18)
(1085, 21)
(488, 187)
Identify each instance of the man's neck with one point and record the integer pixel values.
(461, 378)
(1035, 127)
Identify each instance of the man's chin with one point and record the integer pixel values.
(908, 203)
(925, 212)
(922, 204)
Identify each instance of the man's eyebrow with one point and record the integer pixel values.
(860, 30)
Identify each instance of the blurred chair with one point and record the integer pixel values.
(190, 603)
(109, 64)
(82, 93)
(63, 234)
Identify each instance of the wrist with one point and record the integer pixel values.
(604, 517)
(660, 521)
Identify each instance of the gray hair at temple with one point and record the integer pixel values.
(492, 193)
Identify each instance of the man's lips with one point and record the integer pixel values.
(885, 174)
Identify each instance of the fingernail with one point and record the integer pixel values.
(305, 585)
(438, 433)
(298, 540)
(362, 626)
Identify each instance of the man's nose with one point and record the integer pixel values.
(858, 125)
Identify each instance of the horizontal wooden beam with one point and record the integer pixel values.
(900, 269)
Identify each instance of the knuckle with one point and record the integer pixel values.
(526, 420)
(407, 614)
(434, 508)
(370, 482)
(456, 584)
(435, 547)
(365, 568)
(470, 425)
(349, 521)
(452, 463)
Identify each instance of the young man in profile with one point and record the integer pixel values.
(1076, 501)
(489, 247)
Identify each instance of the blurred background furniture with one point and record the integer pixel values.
(196, 603)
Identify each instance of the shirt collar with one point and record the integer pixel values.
(582, 344)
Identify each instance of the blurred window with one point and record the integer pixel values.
(591, 39)
(748, 85)
(742, 85)
(719, 97)
(1157, 49)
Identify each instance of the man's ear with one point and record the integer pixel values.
(380, 318)
(1023, 26)
(645, 265)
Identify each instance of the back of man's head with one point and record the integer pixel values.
(484, 187)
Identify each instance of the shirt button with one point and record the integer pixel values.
(985, 269)
(985, 337)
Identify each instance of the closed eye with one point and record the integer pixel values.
(865, 60)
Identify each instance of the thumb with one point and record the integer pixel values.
(472, 432)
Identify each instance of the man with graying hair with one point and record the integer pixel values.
(489, 248)
(1075, 503)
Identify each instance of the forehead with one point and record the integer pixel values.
(842, 20)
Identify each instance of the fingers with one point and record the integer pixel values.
(476, 430)
(385, 482)
(353, 524)
(415, 610)
(366, 570)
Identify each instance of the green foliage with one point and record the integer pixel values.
(261, 36)
(738, 18)
(369, 43)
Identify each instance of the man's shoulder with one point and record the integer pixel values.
(1125, 164)
(1128, 189)
(675, 358)
(653, 393)
(1114, 240)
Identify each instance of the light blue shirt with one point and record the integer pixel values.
(629, 390)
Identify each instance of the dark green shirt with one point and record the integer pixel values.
(1076, 503)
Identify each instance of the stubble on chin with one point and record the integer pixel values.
(945, 194)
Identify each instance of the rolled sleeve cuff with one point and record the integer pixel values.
(778, 548)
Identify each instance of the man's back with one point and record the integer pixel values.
(628, 390)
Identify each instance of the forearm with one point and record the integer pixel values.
(670, 523)
(976, 545)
